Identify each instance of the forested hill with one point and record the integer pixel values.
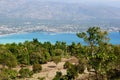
(56, 10)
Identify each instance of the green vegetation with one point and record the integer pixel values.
(97, 55)
(8, 74)
(7, 59)
(25, 73)
(56, 59)
(58, 76)
(37, 68)
(100, 53)
(67, 65)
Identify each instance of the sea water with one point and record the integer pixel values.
(52, 37)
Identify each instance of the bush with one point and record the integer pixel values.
(25, 73)
(47, 56)
(58, 76)
(41, 78)
(7, 74)
(56, 59)
(113, 74)
(80, 68)
(37, 68)
(72, 72)
(58, 52)
(37, 58)
(34, 58)
(67, 65)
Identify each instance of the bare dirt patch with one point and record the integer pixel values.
(50, 68)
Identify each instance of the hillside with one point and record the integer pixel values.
(56, 10)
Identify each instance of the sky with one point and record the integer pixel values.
(105, 2)
(114, 3)
(101, 1)
(92, 1)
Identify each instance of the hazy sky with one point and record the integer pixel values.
(115, 3)
(101, 1)
(92, 1)
(106, 2)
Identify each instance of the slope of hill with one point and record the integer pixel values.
(56, 10)
(60, 16)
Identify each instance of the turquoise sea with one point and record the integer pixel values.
(52, 37)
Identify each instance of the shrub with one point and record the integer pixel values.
(58, 52)
(37, 58)
(113, 74)
(56, 59)
(67, 65)
(25, 73)
(7, 74)
(58, 76)
(47, 56)
(41, 78)
(72, 72)
(34, 58)
(80, 68)
(37, 68)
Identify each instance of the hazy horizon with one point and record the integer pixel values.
(114, 3)
(58, 15)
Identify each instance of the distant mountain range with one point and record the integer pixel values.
(53, 16)
(36, 9)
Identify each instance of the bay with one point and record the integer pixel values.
(51, 37)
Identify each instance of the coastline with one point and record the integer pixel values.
(51, 33)
(3, 35)
(51, 37)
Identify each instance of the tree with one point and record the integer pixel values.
(72, 72)
(72, 48)
(100, 53)
(35, 41)
(7, 59)
(117, 53)
(93, 37)
(114, 72)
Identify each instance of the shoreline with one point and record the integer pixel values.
(51, 33)
(3, 35)
(51, 37)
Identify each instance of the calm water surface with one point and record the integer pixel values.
(43, 37)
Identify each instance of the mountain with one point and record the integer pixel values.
(40, 9)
